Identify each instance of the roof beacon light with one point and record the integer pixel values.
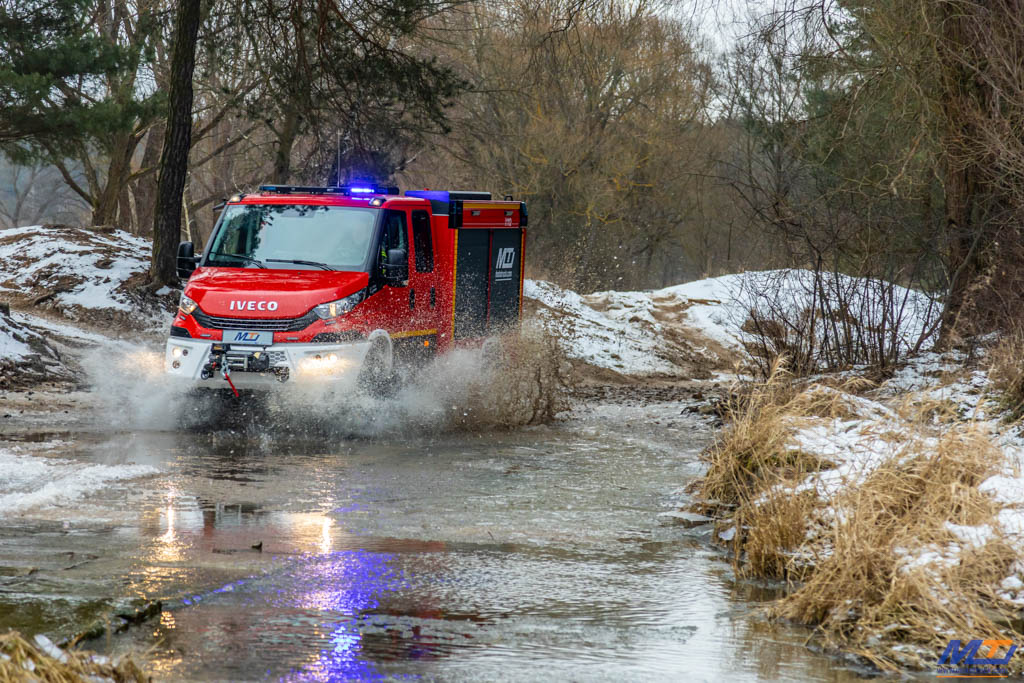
(365, 188)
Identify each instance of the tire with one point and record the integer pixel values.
(377, 376)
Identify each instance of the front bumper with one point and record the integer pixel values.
(263, 366)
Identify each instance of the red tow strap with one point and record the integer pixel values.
(227, 376)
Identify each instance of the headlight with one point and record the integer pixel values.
(323, 364)
(187, 305)
(339, 307)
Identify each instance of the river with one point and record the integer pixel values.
(282, 553)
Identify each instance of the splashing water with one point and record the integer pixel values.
(516, 379)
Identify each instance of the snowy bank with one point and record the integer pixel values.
(635, 334)
(688, 329)
(82, 274)
(27, 358)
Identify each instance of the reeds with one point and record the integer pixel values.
(875, 563)
(40, 660)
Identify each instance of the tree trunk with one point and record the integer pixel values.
(962, 248)
(145, 187)
(285, 142)
(964, 238)
(177, 141)
(104, 210)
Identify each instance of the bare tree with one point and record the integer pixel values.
(35, 193)
(592, 112)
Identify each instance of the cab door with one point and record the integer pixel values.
(408, 311)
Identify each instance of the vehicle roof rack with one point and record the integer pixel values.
(361, 189)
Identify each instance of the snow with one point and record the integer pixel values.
(12, 344)
(713, 308)
(60, 329)
(721, 305)
(633, 332)
(971, 536)
(30, 480)
(49, 648)
(25, 353)
(89, 264)
(1004, 489)
(613, 330)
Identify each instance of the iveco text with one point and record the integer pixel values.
(253, 306)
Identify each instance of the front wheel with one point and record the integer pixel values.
(378, 376)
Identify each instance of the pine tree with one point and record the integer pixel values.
(47, 54)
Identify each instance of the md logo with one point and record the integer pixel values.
(247, 336)
(975, 659)
(506, 258)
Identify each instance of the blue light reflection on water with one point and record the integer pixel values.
(346, 584)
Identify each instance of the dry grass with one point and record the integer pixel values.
(1006, 370)
(849, 559)
(868, 583)
(22, 660)
(754, 455)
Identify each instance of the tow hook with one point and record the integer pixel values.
(215, 361)
(218, 362)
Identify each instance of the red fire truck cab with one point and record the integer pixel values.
(316, 283)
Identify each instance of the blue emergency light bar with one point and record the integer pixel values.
(362, 189)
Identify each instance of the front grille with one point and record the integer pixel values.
(254, 324)
(339, 337)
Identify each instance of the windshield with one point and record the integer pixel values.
(296, 236)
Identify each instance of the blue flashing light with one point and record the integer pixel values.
(433, 195)
(361, 190)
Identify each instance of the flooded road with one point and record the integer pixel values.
(535, 553)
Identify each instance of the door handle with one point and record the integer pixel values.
(433, 298)
(412, 299)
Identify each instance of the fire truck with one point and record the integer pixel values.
(313, 284)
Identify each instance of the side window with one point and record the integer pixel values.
(422, 242)
(395, 233)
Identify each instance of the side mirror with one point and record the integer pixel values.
(186, 260)
(396, 267)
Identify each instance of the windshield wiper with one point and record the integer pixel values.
(247, 259)
(301, 263)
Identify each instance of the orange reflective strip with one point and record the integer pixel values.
(413, 333)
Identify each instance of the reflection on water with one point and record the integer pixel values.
(341, 585)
